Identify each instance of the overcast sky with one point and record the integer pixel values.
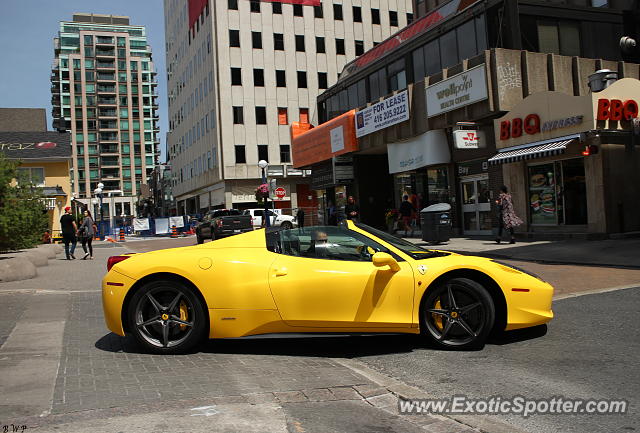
(27, 29)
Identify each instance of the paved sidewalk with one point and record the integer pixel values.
(623, 253)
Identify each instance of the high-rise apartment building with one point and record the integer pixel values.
(239, 72)
(103, 88)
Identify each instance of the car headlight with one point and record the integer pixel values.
(516, 268)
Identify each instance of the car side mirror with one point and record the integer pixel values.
(385, 259)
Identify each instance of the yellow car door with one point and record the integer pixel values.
(324, 277)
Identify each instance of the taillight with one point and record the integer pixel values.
(219, 223)
(115, 259)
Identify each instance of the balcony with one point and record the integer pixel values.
(105, 65)
(106, 88)
(105, 53)
(107, 101)
(106, 76)
(107, 113)
(108, 125)
(108, 136)
(109, 161)
(109, 149)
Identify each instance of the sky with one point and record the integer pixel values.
(27, 29)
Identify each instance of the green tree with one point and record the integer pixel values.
(23, 216)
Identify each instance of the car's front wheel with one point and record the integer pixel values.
(166, 317)
(286, 225)
(457, 314)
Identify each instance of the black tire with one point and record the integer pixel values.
(286, 225)
(199, 238)
(464, 325)
(156, 304)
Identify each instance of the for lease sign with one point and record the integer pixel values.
(391, 111)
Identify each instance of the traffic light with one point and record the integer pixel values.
(590, 149)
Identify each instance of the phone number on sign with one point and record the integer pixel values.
(396, 111)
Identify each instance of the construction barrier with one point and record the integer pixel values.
(121, 235)
(174, 232)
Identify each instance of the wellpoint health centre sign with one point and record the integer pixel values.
(457, 91)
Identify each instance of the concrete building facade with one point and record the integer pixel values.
(103, 86)
(240, 72)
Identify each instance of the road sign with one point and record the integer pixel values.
(280, 193)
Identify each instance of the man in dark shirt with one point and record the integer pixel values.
(69, 229)
(351, 210)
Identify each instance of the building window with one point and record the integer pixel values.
(375, 16)
(232, 5)
(357, 14)
(397, 75)
(278, 41)
(258, 77)
(263, 152)
(337, 12)
(285, 153)
(359, 48)
(261, 115)
(238, 116)
(320, 48)
(241, 155)
(339, 46)
(304, 115)
(297, 10)
(409, 18)
(277, 8)
(256, 39)
(281, 78)
(35, 175)
(299, 42)
(393, 18)
(234, 38)
(302, 80)
(255, 5)
(236, 77)
(282, 116)
(559, 37)
(322, 80)
(317, 11)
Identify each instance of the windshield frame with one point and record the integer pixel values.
(410, 249)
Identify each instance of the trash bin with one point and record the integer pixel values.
(436, 222)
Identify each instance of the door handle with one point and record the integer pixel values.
(280, 272)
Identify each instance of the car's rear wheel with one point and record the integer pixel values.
(166, 317)
(286, 225)
(457, 314)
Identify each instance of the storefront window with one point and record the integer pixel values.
(438, 185)
(557, 193)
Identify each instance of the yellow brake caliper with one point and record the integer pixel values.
(437, 318)
(183, 314)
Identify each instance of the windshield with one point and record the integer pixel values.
(406, 247)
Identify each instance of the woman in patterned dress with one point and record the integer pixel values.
(507, 218)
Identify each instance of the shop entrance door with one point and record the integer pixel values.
(476, 206)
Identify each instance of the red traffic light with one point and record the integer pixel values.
(591, 149)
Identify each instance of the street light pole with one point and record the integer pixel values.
(99, 194)
(263, 166)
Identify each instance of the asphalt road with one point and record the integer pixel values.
(590, 351)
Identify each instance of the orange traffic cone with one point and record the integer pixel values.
(121, 235)
(174, 232)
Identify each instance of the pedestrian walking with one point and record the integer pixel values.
(352, 210)
(300, 217)
(69, 228)
(86, 232)
(507, 218)
(406, 213)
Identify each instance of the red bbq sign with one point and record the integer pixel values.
(280, 193)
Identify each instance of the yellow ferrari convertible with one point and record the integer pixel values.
(350, 278)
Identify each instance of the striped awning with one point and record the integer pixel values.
(511, 154)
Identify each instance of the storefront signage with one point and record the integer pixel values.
(343, 169)
(463, 89)
(544, 116)
(391, 111)
(332, 138)
(427, 149)
(617, 110)
(469, 139)
(531, 125)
